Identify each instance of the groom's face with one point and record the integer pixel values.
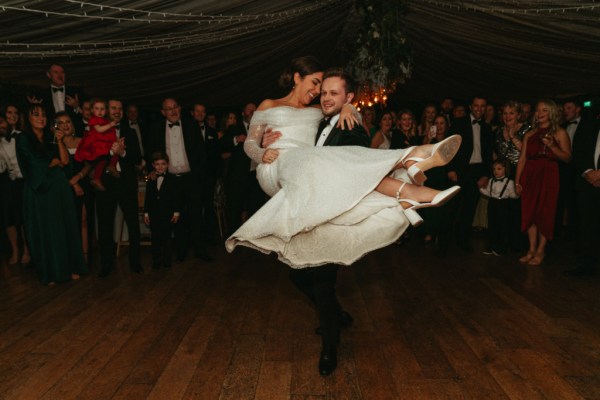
(334, 96)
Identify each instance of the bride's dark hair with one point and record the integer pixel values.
(305, 65)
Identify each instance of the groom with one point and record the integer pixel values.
(318, 283)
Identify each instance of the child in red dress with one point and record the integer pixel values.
(96, 143)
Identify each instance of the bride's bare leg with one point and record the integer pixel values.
(421, 194)
(412, 197)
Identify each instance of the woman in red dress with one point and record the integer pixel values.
(537, 178)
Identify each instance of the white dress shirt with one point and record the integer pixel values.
(476, 155)
(175, 147)
(495, 189)
(58, 98)
(8, 158)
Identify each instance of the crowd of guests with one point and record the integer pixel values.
(535, 168)
(66, 158)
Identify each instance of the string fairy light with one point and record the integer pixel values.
(234, 26)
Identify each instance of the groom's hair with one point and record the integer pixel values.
(340, 73)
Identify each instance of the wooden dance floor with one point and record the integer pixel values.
(460, 327)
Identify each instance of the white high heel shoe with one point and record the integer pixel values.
(441, 154)
(439, 199)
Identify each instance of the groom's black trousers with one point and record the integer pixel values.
(318, 284)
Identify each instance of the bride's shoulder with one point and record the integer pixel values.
(266, 104)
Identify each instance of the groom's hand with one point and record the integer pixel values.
(269, 137)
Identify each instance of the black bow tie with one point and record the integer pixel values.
(132, 122)
(160, 176)
(57, 89)
(476, 121)
(324, 122)
(499, 179)
(174, 124)
(572, 122)
(118, 126)
(11, 136)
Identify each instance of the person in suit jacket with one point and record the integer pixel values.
(586, 159)
(566, 209)
(61, 97)
(471, 165)
(140, 128)
(212, 152)
(122, 191)
(161, 210)
(239, 182)
(180, 140)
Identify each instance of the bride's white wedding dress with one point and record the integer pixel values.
(324, 208)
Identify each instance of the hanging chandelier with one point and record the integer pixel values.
(381, 55)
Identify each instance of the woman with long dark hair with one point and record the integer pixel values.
(48, 207)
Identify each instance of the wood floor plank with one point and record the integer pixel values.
(460, 327)
(274, 381)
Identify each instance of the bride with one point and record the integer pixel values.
(330, 204)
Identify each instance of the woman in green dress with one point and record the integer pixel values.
(49, 211)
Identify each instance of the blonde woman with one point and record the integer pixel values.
(537, 178)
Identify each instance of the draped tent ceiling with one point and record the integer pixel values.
(228, 52)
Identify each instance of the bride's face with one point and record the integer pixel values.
(308, 87)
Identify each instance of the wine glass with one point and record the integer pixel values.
(55, 127)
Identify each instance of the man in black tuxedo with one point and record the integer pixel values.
(566, 210)
(471, 167)
(140, 129)
(318, 283)
(241, 178)
(586, 159)
(180, 140)
(60, 97)
(122, 191)
(212, 153)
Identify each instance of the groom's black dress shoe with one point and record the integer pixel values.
(346, 321)
(328, 360)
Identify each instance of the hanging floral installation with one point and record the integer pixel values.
(381, 57)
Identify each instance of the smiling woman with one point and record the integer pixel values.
(49, 211)
(345, 185)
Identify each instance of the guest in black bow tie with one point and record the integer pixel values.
(161, 210)
(60, 96)
(471, 166)
(180, 140)
(576, 126)
(499, 190)
(11, 187)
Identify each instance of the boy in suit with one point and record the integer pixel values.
(161, 210)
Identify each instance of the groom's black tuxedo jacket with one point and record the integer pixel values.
(343, 137)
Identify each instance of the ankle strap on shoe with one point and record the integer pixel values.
(399, 191)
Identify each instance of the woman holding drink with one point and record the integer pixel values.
(537, 178)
